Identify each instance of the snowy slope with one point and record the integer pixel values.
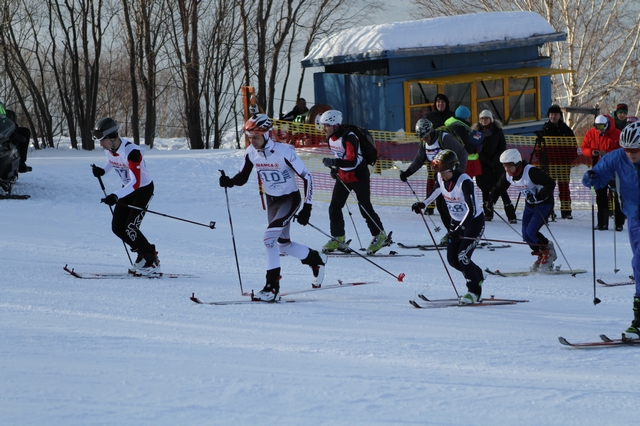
(138, 351)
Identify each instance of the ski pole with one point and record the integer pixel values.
(593, 243)
(439, 254)
(554, 240)
(233, 239)
(360, 206)
(350, 215)
(211, 224)
(399, 277)
(435, 227)
(508, 224)
(104, 191)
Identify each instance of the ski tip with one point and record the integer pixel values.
(564, 341)
(401, 277)
(194, 299)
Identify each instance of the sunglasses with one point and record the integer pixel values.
(632, 150)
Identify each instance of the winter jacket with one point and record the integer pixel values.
(447, 142)
(608, 141)
(559, 153)
(617, 164)
(493, 145)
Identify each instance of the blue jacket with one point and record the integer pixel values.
(616, 164)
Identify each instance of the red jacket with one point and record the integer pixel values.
(607, 142)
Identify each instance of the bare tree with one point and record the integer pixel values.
(601, 46)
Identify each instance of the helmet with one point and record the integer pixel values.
(601, 123)
(333, 117)
(630, 136)
(257, 125)
(105, 127)
(423, 128)
(511, 156)
(445, 160)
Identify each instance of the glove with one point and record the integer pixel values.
(531, 198)
(329, 162)
(404, 175)
(110, 199)
(305, 213)
(97, 171)
(455, 234)
(590, 178)
(488, 205)
(418, 207)
(225, 182)
(334, 172)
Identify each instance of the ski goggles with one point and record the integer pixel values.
(600, 126)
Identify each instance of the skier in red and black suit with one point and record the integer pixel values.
(126, 159)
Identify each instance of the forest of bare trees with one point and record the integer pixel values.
(174, 68)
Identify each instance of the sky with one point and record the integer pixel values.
(138, 351)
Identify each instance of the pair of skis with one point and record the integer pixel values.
(555, 271)
(431, 247)
(426, 303)
(605, 342)
(631, 281)
(120, 275)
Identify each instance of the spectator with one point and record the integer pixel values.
(441, 112)
(299, 109)
(20, 138)
(493, 145)
(560, 155)
(602, 138)
(620, 116)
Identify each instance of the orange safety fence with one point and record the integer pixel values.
(396, 150)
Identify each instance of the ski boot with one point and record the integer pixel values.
(336, 243)
(271, 290)
(316, 262)
(548, 257)
(538, 261)
(633, 332)
(470, 299)
(379, 241)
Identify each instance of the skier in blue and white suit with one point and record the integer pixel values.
(277, 164)
(624, 165)
(467, 219)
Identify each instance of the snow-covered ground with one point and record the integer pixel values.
(138, 351)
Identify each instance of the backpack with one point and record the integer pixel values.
(367, 144)
(470, 139)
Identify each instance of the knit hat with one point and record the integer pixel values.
(462, 112)
(486, 113)
(622, 107)
(554, 108)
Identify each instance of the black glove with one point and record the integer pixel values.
(97, 171)
(334, 172)
(531, 198)
(110, 199)
(225, 182)
(305, 213)
(329, 162)
(455, 234)
(404, 175)
(418, 207)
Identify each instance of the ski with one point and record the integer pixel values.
(426, 303)
(431, 247)
(14, 197)
(390, 254)
(120, 275)
(604, 342)
(524, 273)
(194, 299)
(616, 284)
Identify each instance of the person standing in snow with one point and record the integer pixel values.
(467, 219)
(277, 164)
(558, 155)
(352, 174)
(440, 111)
(127, 160)
(493, 145)
(433, 141)
(601, 139)
(623, 165)
(537, 187)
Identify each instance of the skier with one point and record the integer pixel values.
(352, 175)
(277, 165)
(467, 219)
(127, 160)
(537, 187)
(624, 166)
(432, 141)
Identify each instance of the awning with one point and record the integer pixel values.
(492, 75)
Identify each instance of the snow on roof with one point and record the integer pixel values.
(456, 30)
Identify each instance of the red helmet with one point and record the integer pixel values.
(258, 124)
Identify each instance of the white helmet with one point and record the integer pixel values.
(511, 156)
(630, 136)
(332, 117)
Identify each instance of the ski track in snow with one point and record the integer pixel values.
(138, 351)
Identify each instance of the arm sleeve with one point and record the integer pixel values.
(433, 194)
(538, 177)
(243, 175)
(501, 186)
(301, 170)
(418, 160)
(350, 158)
(134, 158)
(470, 200)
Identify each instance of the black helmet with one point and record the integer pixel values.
(423, 128)
(445, 160)
(105, 127)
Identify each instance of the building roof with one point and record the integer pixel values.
(442, 35)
